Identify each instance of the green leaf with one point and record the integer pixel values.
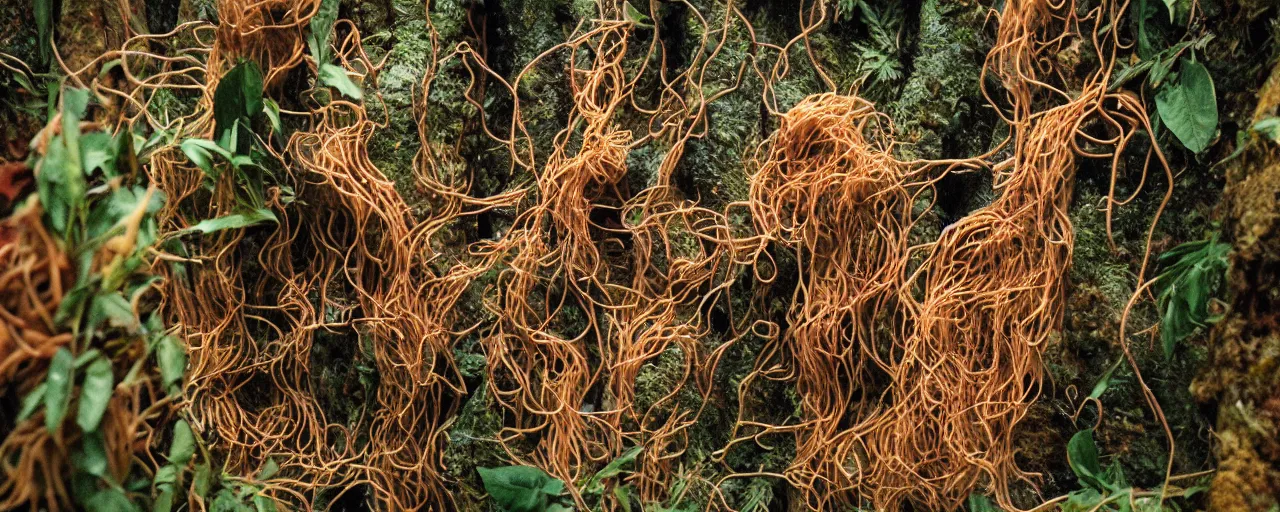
(623, 495)
(269, 470)
(630, 13)
(980, 503)
(32, 401)
(321, 27)
(239, 94)
(595, 485)
(110, 499)
(57, 396)
(113, 309)
(99, 152)
(1269, 128)
(172, 360)
(273, 114)
(1192, 275)
(95, 394)
(203, 479)
(200, 152)
(1104, 382)
(1189, 107)
(334, 76)
(92, 455)
(1082, 500)
(43, 10)
(60, 180)
(184, 443)
(1172, 5)
(264, 503)
(235, 221)
(520, 488)
(164, 502)
(167, 474)
(1082, 455)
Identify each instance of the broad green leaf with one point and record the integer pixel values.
(184, 443)
(334, 76)
(1189, 106)
(234, 221)
(1082, 500)
(91, 457)
(32, 401)
(168, 474)
(614, 468)
(95, 394)
(107, 214)
(269, 469)
(623, 494)
(520, 488)
(203, 479)
(112, 499)
(60, 180)
(1192, 275)
(99, 152)
(57, 395)
(113, 309)
(980, 503)
(321, 27)
(164, 502)
(239, 94)
(1082, 455)
(264, 503)
(172, 361)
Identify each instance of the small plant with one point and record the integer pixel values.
(530, 489)
(1193, 273)
(1185, 97)
(880, 58)
(1107, 490)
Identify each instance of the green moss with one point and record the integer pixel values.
(473, 444)
(948, 57)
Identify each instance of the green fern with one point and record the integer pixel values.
(880, 55)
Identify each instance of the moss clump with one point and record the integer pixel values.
(473, 444)
(942, 81)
